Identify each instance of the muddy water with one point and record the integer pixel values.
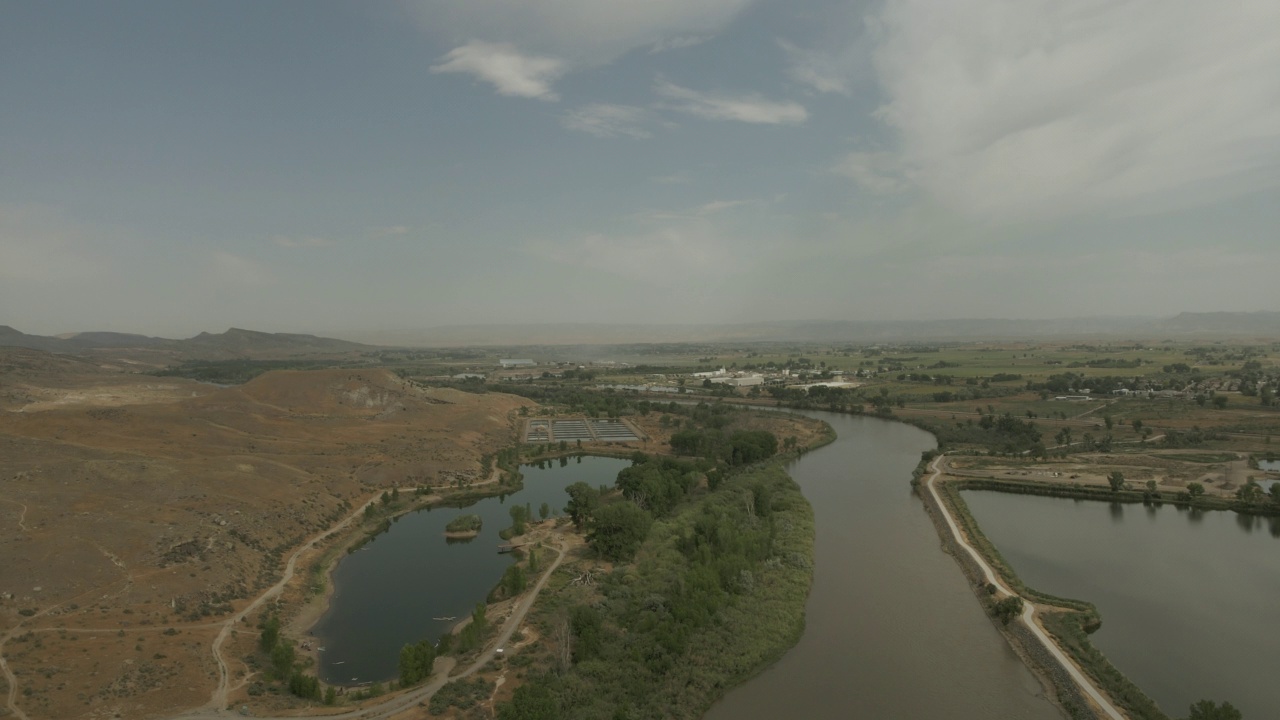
(893, 630)
(1188, 599)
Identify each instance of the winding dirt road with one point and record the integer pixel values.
(1028, 608)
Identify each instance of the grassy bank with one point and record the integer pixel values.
(715, 594)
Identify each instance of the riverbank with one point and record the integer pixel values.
(678, 627)
(1066, 692)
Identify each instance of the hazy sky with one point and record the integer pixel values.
(169, 167)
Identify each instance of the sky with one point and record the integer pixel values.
(351, 168)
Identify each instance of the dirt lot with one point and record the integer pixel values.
(1221, 473)
(136, 511)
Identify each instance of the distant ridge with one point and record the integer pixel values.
(248, 342)
(234, 343)
(241, 343)
(1261, 325)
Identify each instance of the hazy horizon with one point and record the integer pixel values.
(349, 169)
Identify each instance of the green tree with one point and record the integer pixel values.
(513, 581)
(1220, 401)
(304, 686)
(1209, 710)
(1108, 421)
(587, 625)
(544, 511)
(270, 634)
(1250, 493)
(618, 529)
(519, 514)
(416, 662)
(1136, 424)
(282, 658)
(1116, 479)
(531, 701)
(583, 501)
(1195, 490)
(1007, 609)
(330, 696)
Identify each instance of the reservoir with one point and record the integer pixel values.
(892, 628)
(388, 593)
(1187, 598)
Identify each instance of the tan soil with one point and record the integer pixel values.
(122, 513)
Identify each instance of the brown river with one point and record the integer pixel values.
(892, 628)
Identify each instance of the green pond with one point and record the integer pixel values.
(398, 588)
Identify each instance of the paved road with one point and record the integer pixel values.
(1028, 608)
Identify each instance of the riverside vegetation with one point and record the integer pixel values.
(696, 579)
(713, 591)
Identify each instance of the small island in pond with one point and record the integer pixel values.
(463, 526)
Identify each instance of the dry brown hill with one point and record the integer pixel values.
(118, 522)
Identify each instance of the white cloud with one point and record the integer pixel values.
(823, 72)
(665, 256)
(582, 32)
(1012, 109)
(677, 42)
(607, 120)
(742, 108)
(878, 172)
(387, 231)
(504, 67)
(667, 248)
(717, 206)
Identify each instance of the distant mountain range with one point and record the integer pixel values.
(1182, 326)
(232, 343)
(249, 343)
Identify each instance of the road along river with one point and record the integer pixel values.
(892, 628)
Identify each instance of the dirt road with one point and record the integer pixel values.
(399, 703)
(1028, 608)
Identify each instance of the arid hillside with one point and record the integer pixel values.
(136, 511)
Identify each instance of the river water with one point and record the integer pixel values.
(892, 628)
(1188, 599)
(388, 593)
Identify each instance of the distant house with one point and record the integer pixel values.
(741, 381)
(710, 374)
(510, 363)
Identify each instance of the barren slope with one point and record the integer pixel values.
(118, 523)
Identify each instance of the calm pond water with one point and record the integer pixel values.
(1188, 600)
(893, 630)
(387, 593)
